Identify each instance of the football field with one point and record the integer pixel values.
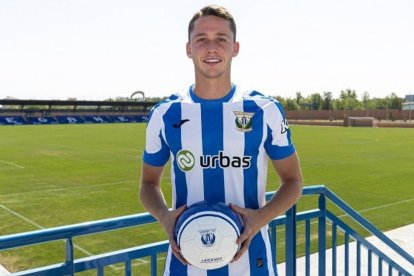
(53, 175)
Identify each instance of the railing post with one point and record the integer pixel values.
(322, 236)
(154, 264)
(69, 257)
(290, 241)
(273, 239)
(334, 226)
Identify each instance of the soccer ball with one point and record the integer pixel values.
(207, 233)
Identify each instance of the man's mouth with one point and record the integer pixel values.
(212, 60)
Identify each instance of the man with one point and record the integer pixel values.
(219, 139)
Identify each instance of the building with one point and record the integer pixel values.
(408, 103)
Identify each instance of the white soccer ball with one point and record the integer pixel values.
(207, 234)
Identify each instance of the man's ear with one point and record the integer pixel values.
(188, 50)
(236, 48)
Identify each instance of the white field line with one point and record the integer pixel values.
(364, 210)
(39, 226)
(21, 217)
(71, 188)
(131, 153)
(142, 261)
(12, 164)
(386, 205)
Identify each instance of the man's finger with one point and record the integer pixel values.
(242, 250)
(236, 208)
(181, 209)
(180, 257)
(176, 251)
(243, 236)
(174, 245)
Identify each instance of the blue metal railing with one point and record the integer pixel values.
(322, 215)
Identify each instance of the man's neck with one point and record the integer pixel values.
(212, 89)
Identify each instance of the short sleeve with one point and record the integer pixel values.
(278, 142)
(156, 151)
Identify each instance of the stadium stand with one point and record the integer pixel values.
(38, 112)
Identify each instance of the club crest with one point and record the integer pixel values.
(243, 121)
(208, 237)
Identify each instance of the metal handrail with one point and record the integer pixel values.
(71, 265)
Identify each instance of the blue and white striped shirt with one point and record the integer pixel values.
(219, 152)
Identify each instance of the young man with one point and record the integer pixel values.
(219, 139)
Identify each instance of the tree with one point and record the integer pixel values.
(348, 99)
(395, 101)
(299, 97)
(327, 101)
(315, 101)
(381, 103)
(291, 104)
(365, 99)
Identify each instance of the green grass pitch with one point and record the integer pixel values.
(64, 174)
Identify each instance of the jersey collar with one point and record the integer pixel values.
(224, 99)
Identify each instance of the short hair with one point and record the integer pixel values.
(215, 11)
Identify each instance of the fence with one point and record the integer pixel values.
(322, 215)
(378, 114)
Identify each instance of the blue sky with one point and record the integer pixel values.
(99, 49)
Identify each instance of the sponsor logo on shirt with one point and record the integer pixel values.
(224, 161)
(186, 161)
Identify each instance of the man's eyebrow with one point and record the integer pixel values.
(198, 35)
(205, 34)
(223, 34)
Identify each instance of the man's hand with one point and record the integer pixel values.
(168, 222)
(252, 222)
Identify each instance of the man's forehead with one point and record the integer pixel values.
(207, 25)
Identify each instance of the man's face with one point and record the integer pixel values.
(212, 47)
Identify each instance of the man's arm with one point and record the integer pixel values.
(152, 199)
(286, 196)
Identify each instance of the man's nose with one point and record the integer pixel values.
(212, 46)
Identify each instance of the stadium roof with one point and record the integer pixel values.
(77, 103)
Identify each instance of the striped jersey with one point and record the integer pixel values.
(219, 152)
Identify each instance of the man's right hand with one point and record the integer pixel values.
(168, 222)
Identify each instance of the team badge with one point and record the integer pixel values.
(244, 121)
(208, 237)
